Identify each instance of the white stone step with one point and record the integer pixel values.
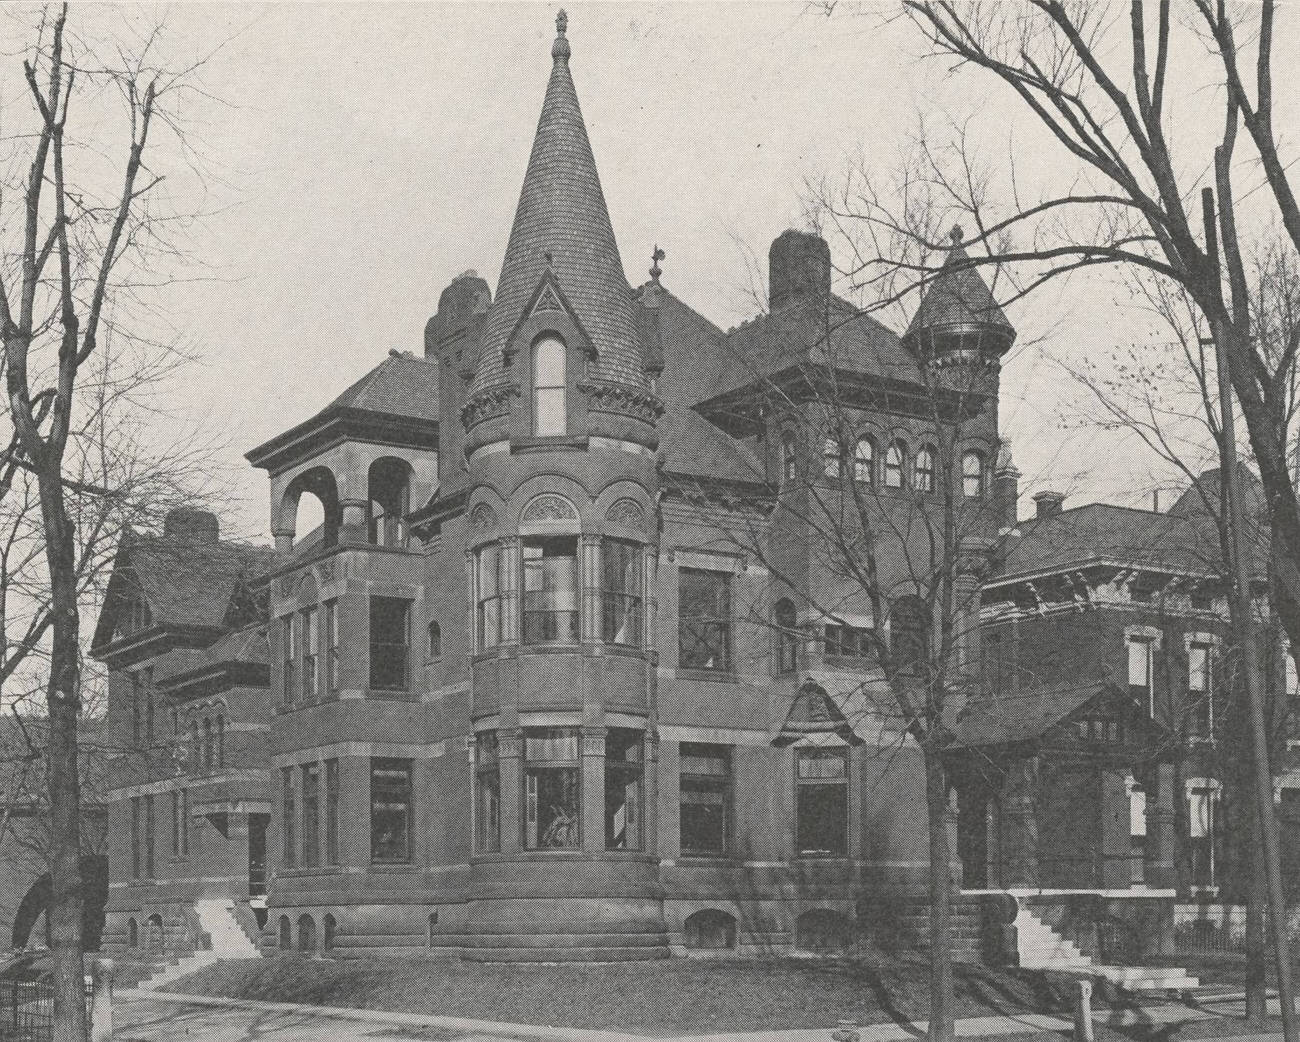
(217, 918)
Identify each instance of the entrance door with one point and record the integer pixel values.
(1069, 827)
(257, 824)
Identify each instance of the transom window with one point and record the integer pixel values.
(549, 388)
(551, 590)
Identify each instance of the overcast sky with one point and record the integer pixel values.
(365, 154)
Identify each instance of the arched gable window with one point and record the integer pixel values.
(550, 393)
(832, 457)
(785, 638)
(894, 465)
(923, 470)
(788, 457)
(864, 461)
(972, 475)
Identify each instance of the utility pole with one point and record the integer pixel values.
(1249, 643)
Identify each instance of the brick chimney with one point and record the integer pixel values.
(798, 268)
(196, 526)
(1048, 504)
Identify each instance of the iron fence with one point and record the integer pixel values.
(27, 1013)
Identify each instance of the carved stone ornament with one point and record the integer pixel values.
(490, 402)
(289, 585)
(325, 571)
(547, 301)
(622, 398)
(550, 507)
(482, 517)
(626, 512)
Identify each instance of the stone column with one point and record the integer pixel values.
(590, 564)
(593, 789)
(1161, 872)
(510, 616)
(355, 528)
(510, 748)
(1019, 825)
(650, 794)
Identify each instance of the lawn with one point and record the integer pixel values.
(670, 997)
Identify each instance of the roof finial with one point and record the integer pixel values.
(655, 258)
(560, 49)
(956, 235)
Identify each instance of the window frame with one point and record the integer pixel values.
(487, 783)
(803, 784)
(559, 388)
(552, 631)
(967, 477)
(1148, 687)
(534, 768)
(309, 646)
(631, 602)
(832, 458)
(330, 635)
(864, 466)
(332, 811)
(629, 773)
(402, 795)
(723, 619)
(701, 782)
(789, 458)
(785, 637)
(288, 818)
(388, 647)
(496, 599)
(288, 656)
(896, 465)
(924, 470)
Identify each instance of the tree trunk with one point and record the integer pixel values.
(1256, 952)
(936, 797)
(64, 700)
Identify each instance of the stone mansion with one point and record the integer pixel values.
(526, 692)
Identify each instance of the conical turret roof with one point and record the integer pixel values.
(562, 226)
(958, 311)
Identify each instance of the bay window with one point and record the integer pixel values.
(621, 597)
(821, 802)
(624, 770)
(552, 801)
(551, 590)
(488, 569)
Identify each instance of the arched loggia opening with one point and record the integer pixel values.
(388, 501)
(310, 509)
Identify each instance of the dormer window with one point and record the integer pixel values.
(550, 389)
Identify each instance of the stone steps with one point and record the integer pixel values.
(569, 954)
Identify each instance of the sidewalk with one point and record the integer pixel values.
(150, 1016)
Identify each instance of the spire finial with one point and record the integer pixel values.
(560, 49)
(956, 235)
(655, 258)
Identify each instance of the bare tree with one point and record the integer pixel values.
(89, 243)
(1124, 194)
(882, 520)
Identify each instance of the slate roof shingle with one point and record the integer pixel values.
(401, 385)
(1019, 718)
(958, 301)
(190, 583)
(562, 225)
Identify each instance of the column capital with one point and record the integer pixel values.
(593, 741)
(510, 743)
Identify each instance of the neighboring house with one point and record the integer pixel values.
(24, 864)
(519, 695)
(183, 635)
(1105, 632)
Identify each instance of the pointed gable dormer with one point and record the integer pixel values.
(561, 280)
(958, 318)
